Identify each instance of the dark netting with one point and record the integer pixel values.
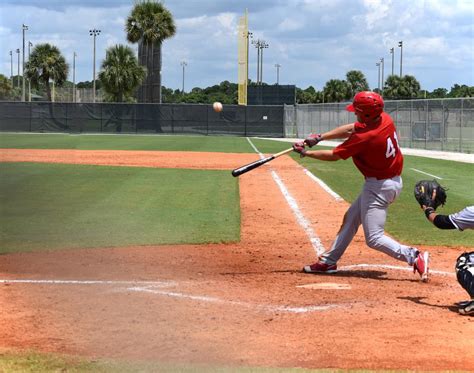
(190, 118)
(232, 120)
(85, 117)
(151, 118)
(49, 117)
(15, 116)
(118, 118)
(271, 94)
(264, 121)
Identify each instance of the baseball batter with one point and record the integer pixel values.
(373, 145)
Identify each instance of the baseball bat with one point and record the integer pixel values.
(248, 167)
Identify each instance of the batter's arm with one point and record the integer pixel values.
(341, 132)
(322, 155)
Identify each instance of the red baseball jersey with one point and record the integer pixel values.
(374, 149)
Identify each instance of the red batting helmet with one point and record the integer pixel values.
(369, 105)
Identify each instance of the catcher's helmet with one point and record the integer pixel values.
(369, 105)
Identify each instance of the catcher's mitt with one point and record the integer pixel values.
(429, 193)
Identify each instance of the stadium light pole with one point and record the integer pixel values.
(74, 55)
(256, 43)
(23, 92)
(382, 64)
(93, 33)
(184, 64)
(262, 47)
(392, 52)
(400, 44)
(18, 76)
(11, 66)
(30, 44)
(378, 75)
(277, 65)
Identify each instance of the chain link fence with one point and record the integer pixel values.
(434, 124)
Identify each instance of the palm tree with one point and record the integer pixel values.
(461, 91)
(46, 62)
(411, 85)
(439, 93)
(401, 88)
(393, 87)
(336, 90)
(5, 87)
(357, 82)
(149, 24)
(120, 73)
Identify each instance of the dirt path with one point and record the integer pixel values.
(242, 304)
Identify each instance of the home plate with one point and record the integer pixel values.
(326, 286)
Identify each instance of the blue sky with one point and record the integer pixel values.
(312, 40)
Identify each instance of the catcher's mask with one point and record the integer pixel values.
(367, 105)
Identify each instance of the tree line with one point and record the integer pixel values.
(227, 92)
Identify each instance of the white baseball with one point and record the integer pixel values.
(217, 106)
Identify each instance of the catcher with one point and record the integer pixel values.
(430, 195)
(465, 274)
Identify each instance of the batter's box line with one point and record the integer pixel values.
(154, 286)
(259, 307)
(387, 266)
(87, 282)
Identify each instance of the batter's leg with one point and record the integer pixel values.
(375, 199)
(349, 227)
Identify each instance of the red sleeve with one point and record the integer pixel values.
(351, 146)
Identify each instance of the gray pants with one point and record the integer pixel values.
(370, 210)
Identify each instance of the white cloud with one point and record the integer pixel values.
(189, 23)
(377, 11)
(290, 24)
(313, 40)
(451, 8)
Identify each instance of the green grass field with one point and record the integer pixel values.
(225, 144)
(49, 206)
(53, 206)
(33, 362)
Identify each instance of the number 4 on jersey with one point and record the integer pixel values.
(391, 150)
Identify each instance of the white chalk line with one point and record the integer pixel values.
(87, 282)
(156, 288)
(255, 149)
(387, 266)
(153, 287)
(426, 173)
(258, 307)
(323, 185)
(301, 219)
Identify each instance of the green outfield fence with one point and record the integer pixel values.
(264, 121)
(434, 124)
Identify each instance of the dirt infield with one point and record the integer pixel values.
(242, 304)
